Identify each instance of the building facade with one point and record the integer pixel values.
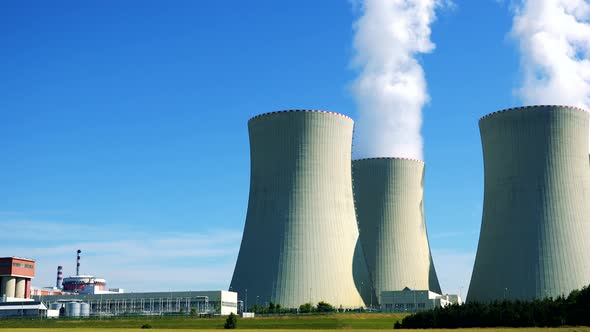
(535, 227)
(300, 241)
(408, 300)
(15, 277)
(149, 303)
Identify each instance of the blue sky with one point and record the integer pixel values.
(123, 126)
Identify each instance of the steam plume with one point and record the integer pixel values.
(554, 42)
(391, 90)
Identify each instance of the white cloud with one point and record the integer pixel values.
(554, 42)
(391, 89)
(138, 260)
(453, 268)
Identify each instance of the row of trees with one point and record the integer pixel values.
(573, 310)
(273, 308)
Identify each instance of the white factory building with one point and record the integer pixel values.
(218, 302)
(408, 300)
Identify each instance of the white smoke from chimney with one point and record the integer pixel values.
(391, 89)
(554, 42)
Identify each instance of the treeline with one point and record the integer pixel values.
(273, 308)
(573, 310)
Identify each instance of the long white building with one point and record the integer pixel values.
(150, 303)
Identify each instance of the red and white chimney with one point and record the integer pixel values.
(78, 263)
(58, 283)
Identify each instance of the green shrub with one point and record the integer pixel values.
(306, 307)
(324, 307)
(146, 326)
(231, 322)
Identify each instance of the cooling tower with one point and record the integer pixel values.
(389, 200)
(535, 230)
(300, 235)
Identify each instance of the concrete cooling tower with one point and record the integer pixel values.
(300, 237)
(535, 231)
(389, 200)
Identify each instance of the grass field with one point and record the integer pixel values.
(561, 329)
(333, 322)
(323, 322)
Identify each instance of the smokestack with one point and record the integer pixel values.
(59, 277)
(78, 263)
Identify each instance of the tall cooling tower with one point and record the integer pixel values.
(535, 230)
(389, 200)
(300, 237)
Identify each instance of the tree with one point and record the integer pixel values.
(231, 322)
(306, 307)
(324, 307)
(193, 311)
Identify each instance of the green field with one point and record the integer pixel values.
(561, 329)
(366, 321)
(331, 321)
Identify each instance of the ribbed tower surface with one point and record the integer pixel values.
(535, 230)
(389, 198)
(300, 237)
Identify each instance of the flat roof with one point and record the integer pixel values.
(213, 295)
(19, 258)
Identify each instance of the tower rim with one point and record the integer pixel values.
(262, 115)
(531, 108)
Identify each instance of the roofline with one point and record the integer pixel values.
(21, 258)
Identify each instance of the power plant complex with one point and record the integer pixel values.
(306, 239)
(84, 296)
(301, 239)
(536, 215)
(322, 227)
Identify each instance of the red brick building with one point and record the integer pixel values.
(15, 277)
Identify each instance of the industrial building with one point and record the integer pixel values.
(15, 289)
(409, 300)
(76, 284)
(389, 201)
(15, 277)
(300, 241)
(535, 229)
(150, 303)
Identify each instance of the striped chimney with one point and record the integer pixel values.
(78, 263)
(59, 277)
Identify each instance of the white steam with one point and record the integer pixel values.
(554, 42)
(391, 90)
